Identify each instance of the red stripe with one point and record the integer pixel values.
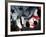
(36, 17)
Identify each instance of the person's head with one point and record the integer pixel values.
(34, 20)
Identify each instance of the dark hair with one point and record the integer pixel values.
(39, 12)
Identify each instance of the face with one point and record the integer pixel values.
(34, 20)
